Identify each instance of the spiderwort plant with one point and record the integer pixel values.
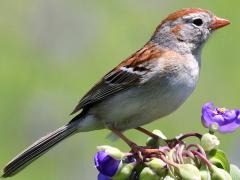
(226, 120)
(201, 160)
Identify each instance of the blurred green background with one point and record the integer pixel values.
(53, 51)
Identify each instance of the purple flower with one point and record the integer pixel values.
(103, 177)
(106, 164)
(227, 120)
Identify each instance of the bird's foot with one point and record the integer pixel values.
(172, 142)
(142, 152)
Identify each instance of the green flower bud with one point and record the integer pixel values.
(188, 160)
(112, 151)
(213, 128)
(124, 172)
(205, 174)
(158, 166)
(156, 163)
(219, 174)
(189, 172)
(155, 143)
(168, 178)
(209, 142)
(159, 133)
(234, 172)
(148, 174)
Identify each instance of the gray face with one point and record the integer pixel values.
(185, 34)
(193, 28)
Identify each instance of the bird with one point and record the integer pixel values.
(150, 84)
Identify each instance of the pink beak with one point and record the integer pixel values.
(218, 23)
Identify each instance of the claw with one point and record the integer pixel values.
(172, 142)
(138, 152)
(141, 152)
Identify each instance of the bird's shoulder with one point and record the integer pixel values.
(131, 72)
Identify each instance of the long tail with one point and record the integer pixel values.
(37, 149)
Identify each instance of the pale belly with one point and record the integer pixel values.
(139, 106)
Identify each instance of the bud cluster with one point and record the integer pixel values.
(166, 161)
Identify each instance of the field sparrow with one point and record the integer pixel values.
(150, 84)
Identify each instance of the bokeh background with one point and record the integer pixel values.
(53, 51)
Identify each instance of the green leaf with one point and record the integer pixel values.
(234, 172)
(219, 159)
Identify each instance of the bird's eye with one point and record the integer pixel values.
(197, 22)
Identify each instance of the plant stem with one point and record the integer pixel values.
(192, 134)
(203, 158)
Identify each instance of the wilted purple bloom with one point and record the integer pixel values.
(227, 120)
(106, 164)
(103, 177)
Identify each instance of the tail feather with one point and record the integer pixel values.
(37, 149)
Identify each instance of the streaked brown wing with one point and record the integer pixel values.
(127, 74)
(112, 83)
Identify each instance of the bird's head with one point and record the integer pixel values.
(187, 29)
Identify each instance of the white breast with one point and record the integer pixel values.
(155, 99)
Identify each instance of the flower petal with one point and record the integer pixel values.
(103, 177)
(238, 116)
(230, 127)
(207, 117)
(230, 115)
(208, 105)
(219, 119)
(106, 164)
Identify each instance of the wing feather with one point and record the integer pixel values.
(111, 84)
(127, 74)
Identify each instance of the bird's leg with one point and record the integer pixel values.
(137, 150)
(140, 152)
(169, 142)
(147, 132)
(124, 138)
